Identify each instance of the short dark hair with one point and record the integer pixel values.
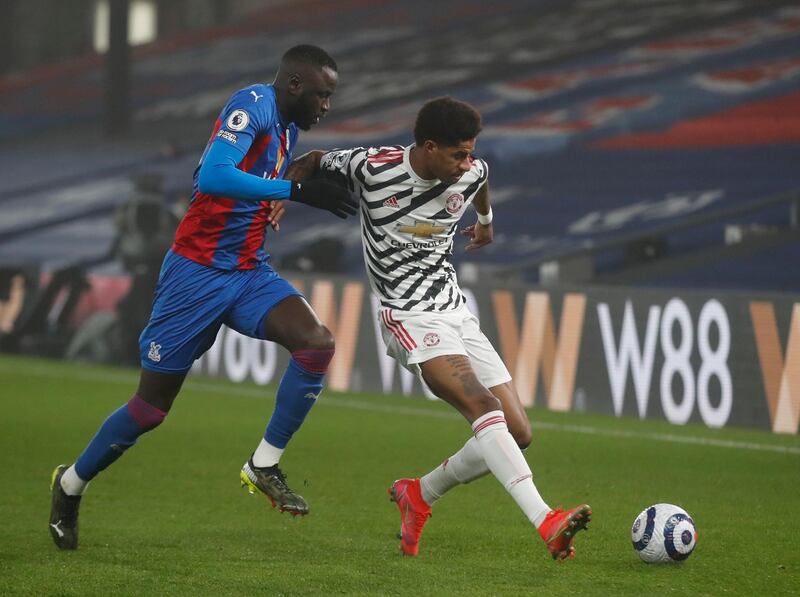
(446, 121)
(309, 54)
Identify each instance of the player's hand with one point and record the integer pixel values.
(276, 211)
(479, 234)
(324, 194)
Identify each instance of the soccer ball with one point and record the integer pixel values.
(663, 533)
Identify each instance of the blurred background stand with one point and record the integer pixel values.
(145, 227)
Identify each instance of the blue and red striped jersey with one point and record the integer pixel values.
(229, 233)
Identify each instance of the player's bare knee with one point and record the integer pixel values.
(319, 339)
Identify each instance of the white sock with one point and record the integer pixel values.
(508, 465)
(266, 455)
(462, 467)
(71, 483)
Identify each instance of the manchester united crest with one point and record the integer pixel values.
(454, 203)
(431, 339)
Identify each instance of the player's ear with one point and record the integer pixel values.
(430, 145)
(295, 83)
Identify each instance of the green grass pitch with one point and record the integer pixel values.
(169, 518)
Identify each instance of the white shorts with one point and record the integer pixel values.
(413, 337)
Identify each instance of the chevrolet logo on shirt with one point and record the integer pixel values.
(421, 229)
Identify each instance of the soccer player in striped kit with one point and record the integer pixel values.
(412, 199)
(217, 272)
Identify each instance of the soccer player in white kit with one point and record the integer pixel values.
(412, 199)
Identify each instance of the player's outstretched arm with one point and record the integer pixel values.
(481, 232)
(219, 175)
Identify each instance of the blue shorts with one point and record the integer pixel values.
(192, 301)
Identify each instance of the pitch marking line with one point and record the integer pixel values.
(202, 386)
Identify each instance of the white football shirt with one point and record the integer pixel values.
(407, 225)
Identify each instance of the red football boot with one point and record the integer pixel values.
(414, 513)
(559, 527)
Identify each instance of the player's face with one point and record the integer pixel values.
(313, 99)
(450, 163)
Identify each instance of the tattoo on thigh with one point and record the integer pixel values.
(462, 370)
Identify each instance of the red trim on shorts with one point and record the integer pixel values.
(398, 331)
(402, 329)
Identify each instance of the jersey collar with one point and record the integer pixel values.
(414, 176)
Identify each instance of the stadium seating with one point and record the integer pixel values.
(666, 155)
